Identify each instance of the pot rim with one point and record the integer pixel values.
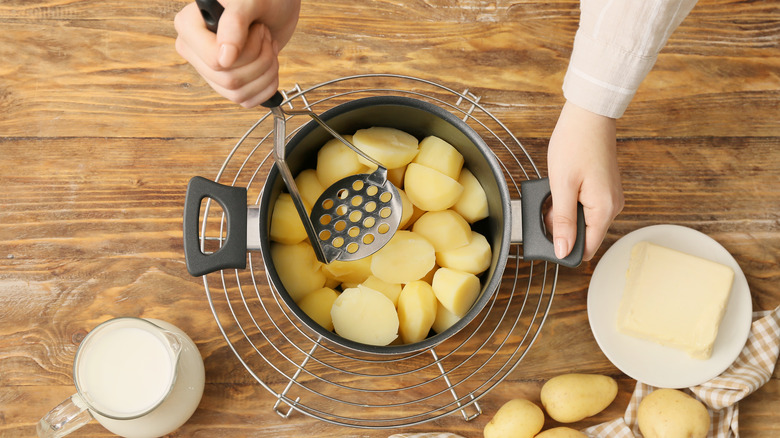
(490, 283)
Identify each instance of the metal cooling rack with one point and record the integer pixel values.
(310, 376)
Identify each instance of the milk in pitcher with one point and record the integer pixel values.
(133, 370)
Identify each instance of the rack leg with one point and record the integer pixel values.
(281, 398)
(470, 95)
(473, 403)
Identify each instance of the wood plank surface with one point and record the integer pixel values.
(102, 124)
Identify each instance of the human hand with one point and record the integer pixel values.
(240, 61)
(582, 165)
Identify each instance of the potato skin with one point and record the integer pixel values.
(517, 418)
(571, 397)
(561, 432)
(670, 413)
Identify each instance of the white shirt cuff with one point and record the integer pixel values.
(603, 78)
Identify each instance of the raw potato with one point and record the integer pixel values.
(391, 147)
(429, 189)
(517, 418)
(405, 258)
(391, 290)
(440, 155)
(472, 204)
(561, 432)
(298, 268)
(473, 258)
(426, 435)
(456, 290)
(446, 229)
(286, 225)
(310, 187)
(572, 397)
(366, 316)
(669, 413)
(416, 311)
(317, 305)
(335, 161)
(444, 318)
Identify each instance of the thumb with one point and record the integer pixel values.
(564, 218)
(232, 33)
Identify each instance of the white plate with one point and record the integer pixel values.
(647, 361)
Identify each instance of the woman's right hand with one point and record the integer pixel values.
(240, 61)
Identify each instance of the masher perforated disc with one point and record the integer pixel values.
(356, 216)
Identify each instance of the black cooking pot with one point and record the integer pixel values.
(420, 119)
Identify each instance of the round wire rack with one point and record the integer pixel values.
(309, 375)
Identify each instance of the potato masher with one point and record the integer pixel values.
(355, 216)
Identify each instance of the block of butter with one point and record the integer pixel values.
(674, 299)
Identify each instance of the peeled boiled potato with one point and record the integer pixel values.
(286, 225)
(670, 413)
(474, 257)
(416, 213)
(391, 147)
(317, 305)
(440, 155)
(424, 295)
(416, 311)
(445, 229)
(310, 187)
(335, 161)
(407, 209)
(517, 418)
(444, 318)
(406, 257)
(472, 204)
(455, 290)
(561, 432)
(429, 189)
(391, 290)
(395, 176)
(428, 278)
(298, 268)
(366, 316)
(353, 271)
(571, 397)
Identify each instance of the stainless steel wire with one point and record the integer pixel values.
(310, 376)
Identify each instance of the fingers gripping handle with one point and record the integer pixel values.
(232, 252)
(211, 11)
(536, 245)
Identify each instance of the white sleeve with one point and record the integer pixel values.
(615, 47)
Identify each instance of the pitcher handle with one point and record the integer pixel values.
(68, 416)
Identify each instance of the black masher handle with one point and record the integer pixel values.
(211, 10)
(536, 245)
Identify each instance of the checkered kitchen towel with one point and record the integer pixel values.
(750, 371)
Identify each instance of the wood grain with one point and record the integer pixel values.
(102, 125)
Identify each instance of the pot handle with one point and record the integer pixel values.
(536, 245)
(232, 252)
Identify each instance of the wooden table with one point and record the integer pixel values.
(102, 125)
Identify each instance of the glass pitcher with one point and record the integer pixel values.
(137, 377)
